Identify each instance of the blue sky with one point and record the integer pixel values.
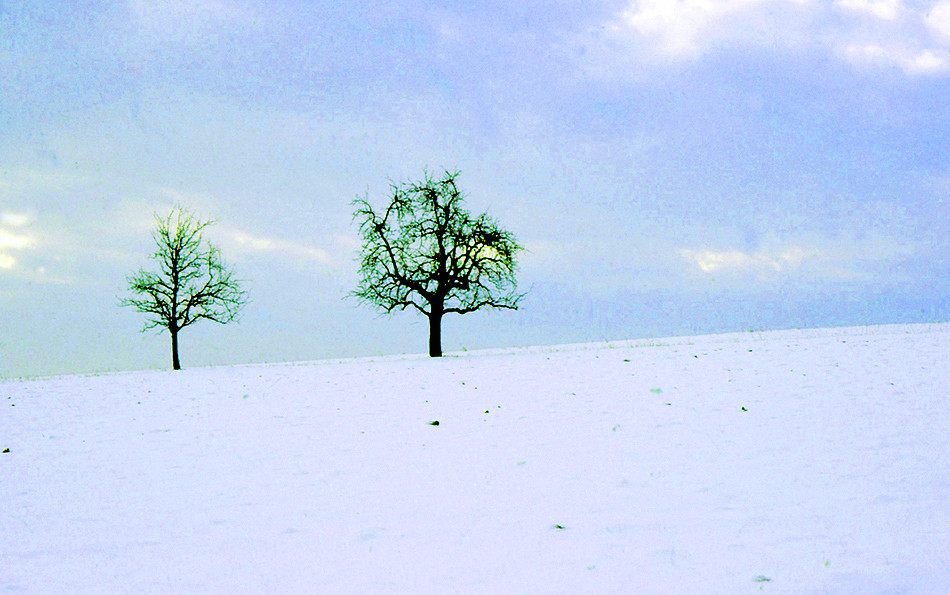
(672, 167)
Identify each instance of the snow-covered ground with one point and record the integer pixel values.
(811, 461)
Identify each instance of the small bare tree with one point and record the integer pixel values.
(425, 251)
(191, 284)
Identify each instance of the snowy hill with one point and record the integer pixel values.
(810, 461)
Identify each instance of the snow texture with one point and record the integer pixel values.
(805, 461)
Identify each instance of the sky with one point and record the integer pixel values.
(671, 167)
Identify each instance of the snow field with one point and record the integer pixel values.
(810, 461)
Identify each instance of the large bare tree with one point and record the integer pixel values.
(192, 283)
(425, 251)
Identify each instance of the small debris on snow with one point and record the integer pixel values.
(434, 423)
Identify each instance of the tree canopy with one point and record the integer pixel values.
(426, 252)
(192, 282)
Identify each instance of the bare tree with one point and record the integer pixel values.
(191, 284)
(425, 251)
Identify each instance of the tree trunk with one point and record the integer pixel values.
(176, 365)
(435, 332)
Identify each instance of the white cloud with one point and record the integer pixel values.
(15, 241)
(713, 261)
(246, 243)
(882, 9)
(920, 62)
(843, 258)
(927, 62)
(938, 19)
(866, 33)
(681, 28)
(11, 240)
(14, 219)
